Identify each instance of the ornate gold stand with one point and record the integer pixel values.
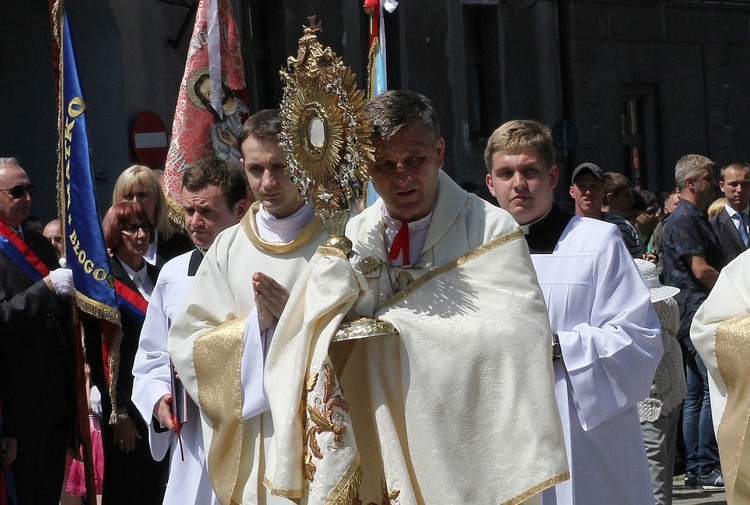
(326, 140)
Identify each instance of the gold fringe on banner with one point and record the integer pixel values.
(175, 212)
(114, 368)
(97, 309)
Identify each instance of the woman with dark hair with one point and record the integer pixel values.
(130, 474)
(140, 184)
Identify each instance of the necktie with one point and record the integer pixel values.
(401, 243)
(743, 228)
(141, 285)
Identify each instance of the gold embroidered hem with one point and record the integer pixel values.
(449, 266)
(217, 356)
(292, 494)
(347, 491)
(733, 360)
(535, 490)
(306, 235)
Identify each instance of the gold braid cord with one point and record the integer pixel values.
(325, 132)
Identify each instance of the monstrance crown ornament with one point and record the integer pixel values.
(325, 133)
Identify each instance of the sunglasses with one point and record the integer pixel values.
(133, 228)
(19, 191)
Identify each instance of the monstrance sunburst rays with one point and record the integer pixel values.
(325, 132)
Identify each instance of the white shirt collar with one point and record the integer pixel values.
(285, 229)
(417, 234)
(150, 255)
(733, 212)
(140, 278)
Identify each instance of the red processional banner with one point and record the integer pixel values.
(212, 103)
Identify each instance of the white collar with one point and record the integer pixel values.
(150, 255)
(284, 229)
(395, 224)
(732, 212)
(139, 274)
(525, 227)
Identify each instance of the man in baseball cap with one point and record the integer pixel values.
(587, 190)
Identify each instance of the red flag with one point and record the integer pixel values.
(212, 103)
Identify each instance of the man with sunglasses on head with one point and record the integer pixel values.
(36, 360)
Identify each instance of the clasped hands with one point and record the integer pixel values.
(270, 299)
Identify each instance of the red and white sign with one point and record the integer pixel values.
(149, 138)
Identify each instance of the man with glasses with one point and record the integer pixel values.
(647, 219)
(731, 224)
(36, 362)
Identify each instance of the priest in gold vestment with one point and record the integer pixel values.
(456, 405)
(218, 342)
(721, 335)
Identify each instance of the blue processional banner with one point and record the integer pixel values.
(85, 249)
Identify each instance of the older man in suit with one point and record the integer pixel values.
(731, 224)
(36, 365)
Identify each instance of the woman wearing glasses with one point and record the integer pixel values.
(140, 184)
(130, 474)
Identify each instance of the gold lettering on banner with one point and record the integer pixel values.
(75, 108)
(89, 267)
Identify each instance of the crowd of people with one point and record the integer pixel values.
(526, 352)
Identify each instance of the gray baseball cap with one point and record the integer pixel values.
(590, 167)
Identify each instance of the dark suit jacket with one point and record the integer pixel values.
(37, 373)
(728, 235)
(131, 333)
(177, 244)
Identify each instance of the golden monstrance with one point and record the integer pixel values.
(326, 138)
(325, 133)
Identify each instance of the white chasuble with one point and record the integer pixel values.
(206, 345)
(458, 407)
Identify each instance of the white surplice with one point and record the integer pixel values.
(609, 334)
(458, 407)
(207, 344)
(188, 480)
